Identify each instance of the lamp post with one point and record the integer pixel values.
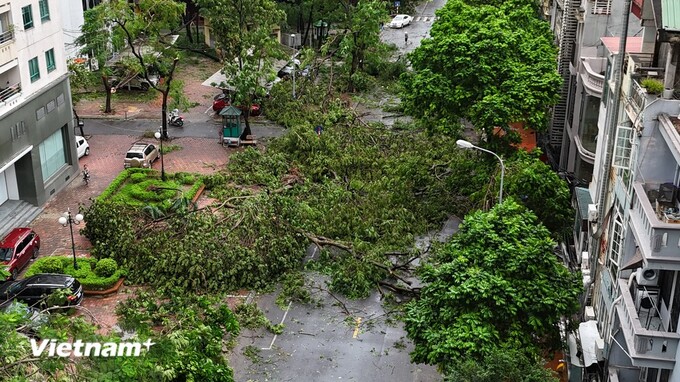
(463, 144)
(158, 136)
(68, 219)
(292, 36)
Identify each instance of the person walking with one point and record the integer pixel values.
(405, 38)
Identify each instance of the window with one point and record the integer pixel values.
(18, 130)
(52, 154)
(623, 147)
(51, 106)
(49, 59)
(34, 69)
(44, 10)
(40, 113)
(60, 99)
(615, 248)
(27, 14)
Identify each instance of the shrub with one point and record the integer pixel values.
(652, 85)
(50, 264)
(106, 267)
(137, 177)
(85, 274)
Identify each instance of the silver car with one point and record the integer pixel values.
(141, 155)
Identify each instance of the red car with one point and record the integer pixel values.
(18, 248)
(221, 101)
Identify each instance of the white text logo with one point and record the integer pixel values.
(88, 349)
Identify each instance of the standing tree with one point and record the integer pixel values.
(541, 190)
(362, 35)
(243, 30)
(145, 28)
(496, 284)
(489, 64)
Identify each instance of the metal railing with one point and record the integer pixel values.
(6, 36)
(10, 91)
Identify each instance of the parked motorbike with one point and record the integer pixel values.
(175, 119)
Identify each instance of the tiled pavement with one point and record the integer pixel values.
(198, 155)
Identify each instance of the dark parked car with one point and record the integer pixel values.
(34, 290)
(18, 248)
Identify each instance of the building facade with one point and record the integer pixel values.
(37, 149)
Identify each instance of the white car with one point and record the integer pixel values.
(82, 147)
(400, 21)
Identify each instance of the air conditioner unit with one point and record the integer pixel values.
(647, 276)
(589, 313)
(585, 260)
(647, 299)
(599, 349)
(592, 213)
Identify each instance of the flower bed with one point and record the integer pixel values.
(92, 274)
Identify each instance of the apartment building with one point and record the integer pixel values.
(620, 115)
(37, 150)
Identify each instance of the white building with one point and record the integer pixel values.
(627, 231)
(37, 150)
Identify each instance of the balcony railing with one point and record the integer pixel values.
(657, 230)
(7, 93)
(638, 96)
(590, 75)
(6, 36)
(647, 348)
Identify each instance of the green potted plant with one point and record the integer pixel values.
(652, 85)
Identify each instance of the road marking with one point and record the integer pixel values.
(276, 335)
(356, 328)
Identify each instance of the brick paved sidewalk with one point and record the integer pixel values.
(198, 155)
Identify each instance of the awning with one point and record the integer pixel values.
(635, 262)
(573, 351)
(583, 198)
(590, 337)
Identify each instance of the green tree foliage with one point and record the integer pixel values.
(541, 190)
(496, 283)
(243, 32)
(500, 365)
(490, 64)
(144, 28)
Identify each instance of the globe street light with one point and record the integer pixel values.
(157, 134)
(463, 144)
(69, 220)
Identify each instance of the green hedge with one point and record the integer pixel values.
(120, 179)
(85, 273)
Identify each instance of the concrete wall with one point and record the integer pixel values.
(32, 187)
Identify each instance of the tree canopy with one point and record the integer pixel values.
(496, 283)
(489, 64)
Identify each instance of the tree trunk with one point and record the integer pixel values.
(187, 27)
(246, 119)
(107, 90)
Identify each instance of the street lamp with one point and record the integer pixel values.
(463, 144)
(70, 220)
(158, 135)
(292, 36)
(321, 28)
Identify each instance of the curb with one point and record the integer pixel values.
(106, 292)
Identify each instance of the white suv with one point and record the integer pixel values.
(141, 155)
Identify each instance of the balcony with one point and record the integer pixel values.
(592, 74)
(656, 226)
(7, 47)
(649, 345)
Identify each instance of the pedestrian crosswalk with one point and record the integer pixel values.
(425, 18)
